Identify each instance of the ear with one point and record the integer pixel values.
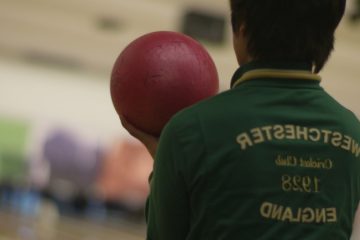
(242, 29)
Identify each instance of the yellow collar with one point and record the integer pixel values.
(277, 73)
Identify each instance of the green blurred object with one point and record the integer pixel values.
(13, 137)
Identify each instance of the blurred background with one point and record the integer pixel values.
(67, 168)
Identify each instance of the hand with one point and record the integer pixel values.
(148, 140)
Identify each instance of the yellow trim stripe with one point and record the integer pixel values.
(277, 73)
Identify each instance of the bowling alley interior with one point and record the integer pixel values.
(68, 169)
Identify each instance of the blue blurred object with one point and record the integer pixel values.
(19, 199)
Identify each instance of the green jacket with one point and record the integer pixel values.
(275, 157)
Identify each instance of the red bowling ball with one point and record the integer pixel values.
(159, 74)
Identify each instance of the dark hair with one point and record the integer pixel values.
(290, 30)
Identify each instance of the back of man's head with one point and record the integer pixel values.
(288, 30)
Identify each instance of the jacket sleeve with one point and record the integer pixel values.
(168, 210)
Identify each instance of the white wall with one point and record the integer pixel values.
(51, 98)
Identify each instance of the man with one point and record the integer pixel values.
(274, 157)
